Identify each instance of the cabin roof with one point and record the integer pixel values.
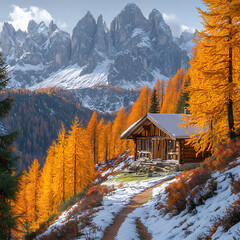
(168, 123)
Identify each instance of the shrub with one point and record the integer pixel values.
(81, 216)
(94, 197)
(224, 154)
(178, 192)
(200, 194)
(231, 217)
(236, 186)
(190, 190)
(73, 200)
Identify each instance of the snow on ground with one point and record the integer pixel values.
(113, 203)
(186, 225)
(117, 200)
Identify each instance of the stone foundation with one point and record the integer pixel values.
(186, 166)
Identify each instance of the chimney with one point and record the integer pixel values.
(186, 111)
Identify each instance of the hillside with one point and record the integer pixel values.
(39, 116)
(211, 211)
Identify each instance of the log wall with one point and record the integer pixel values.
(188, 153)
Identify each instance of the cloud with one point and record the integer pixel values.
(20, 17)
(175, 26)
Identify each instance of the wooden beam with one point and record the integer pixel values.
(152, 138)
(135, 149)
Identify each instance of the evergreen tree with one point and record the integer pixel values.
(8, 180)
(154, 104)
(184, 97)
(214, 91)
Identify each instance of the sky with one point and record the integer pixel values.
(179, 14)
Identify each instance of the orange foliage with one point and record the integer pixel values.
(186, 191)
(69, 168)
(178, 192)
(173, 92)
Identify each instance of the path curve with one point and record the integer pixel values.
(137, 201)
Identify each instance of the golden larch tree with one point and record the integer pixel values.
(20, 208)
(102, 141)
(32, 194)
(214, 90)
(119, 126)
(80, 163)
(92, 133)
(173, 92)
(160, 88)
(108, 134)
(46, 201)
(59, 171)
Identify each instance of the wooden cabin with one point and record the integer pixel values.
(159, 137)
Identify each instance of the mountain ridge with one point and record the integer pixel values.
(133, 52)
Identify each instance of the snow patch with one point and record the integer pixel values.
(185, 225)
(70, 77)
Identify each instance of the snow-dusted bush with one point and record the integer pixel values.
(192, 188)
(224, 154)
(229, 219)
(180, 193)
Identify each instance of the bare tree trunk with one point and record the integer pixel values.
(230, 102)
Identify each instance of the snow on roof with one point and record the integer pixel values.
(131, 127)
(169, 123)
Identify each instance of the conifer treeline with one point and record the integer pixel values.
(68, 169)
(38, 115)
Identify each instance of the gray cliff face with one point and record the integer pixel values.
(144, 47)
(135, 51)
(83, 40)
(35, 54)
(185, 42)
(123, 25)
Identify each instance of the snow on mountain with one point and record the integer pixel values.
(70, 77)
(105, 98)
(185, 42)
(126, 55)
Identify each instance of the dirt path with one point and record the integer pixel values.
(137, 201)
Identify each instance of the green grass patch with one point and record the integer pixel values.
(129, 177)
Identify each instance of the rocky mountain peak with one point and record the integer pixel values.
(101, 22)
(52, 27)
(134, 52)
(83, 39)
(132, 7)
(160, 31)
(125, 22)
(8, 29)
(32, 27)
